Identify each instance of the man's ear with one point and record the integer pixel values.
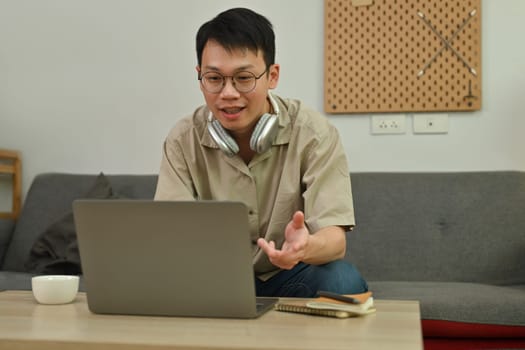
(198, 69)
(273, 77)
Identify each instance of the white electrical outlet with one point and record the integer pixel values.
(430, 123)
(388, 124)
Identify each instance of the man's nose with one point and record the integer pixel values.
(229, 87)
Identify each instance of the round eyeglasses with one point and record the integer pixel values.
(244, 81)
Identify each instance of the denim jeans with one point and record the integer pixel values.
(306, 280)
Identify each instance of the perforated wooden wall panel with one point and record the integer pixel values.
(402, 56)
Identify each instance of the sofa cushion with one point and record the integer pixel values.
(458, 302)
(56, 250)
(49, 199)
(10, 280)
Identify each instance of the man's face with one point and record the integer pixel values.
(238, 112)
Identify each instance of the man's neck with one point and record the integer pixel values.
(245, 151)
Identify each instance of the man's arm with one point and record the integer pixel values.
(327, 244)
(323, 246)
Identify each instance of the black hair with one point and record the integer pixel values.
(239, 28)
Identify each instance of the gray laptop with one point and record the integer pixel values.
(144, 257)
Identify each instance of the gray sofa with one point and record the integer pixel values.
(48, 200)
(453, 241)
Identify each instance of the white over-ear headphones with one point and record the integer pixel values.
(262, 136)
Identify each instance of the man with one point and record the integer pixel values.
(284, 161)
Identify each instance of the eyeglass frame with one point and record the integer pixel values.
(232, 80)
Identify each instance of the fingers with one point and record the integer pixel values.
(267, 247)
(279, 258)
(276, 257)
(298, 219)
(291, 251)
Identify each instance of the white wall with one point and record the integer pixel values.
(95, 85)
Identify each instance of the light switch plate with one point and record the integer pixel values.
(430, 123)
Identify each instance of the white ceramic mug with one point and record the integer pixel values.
(55, 289)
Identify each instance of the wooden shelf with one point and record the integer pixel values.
(11, 164)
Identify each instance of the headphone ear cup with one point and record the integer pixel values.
(264, 133)
(221, 137)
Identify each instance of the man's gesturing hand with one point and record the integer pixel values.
(293, 250)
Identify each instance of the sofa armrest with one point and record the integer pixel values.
(7, 227)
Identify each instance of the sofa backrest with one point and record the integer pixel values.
(50, 197)
(410, 226)
(439, 227)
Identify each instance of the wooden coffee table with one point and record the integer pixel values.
(24, 324)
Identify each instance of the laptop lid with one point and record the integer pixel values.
(166, 258)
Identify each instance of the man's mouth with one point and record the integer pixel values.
(232, 110)
(232, 113)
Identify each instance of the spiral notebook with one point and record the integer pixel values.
(329, 307)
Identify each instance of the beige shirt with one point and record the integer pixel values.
(305, 169)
